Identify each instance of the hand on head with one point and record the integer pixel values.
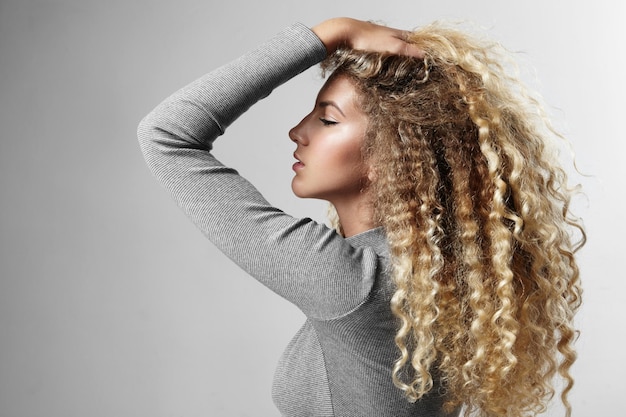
(367, 36)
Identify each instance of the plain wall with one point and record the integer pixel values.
(113, 304)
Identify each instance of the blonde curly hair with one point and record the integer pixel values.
(476, 212)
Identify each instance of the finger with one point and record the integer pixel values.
(407, 48)
(413, 50)
(401, 47)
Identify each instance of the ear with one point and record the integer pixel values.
(371, 174)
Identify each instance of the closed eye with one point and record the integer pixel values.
(327, 122)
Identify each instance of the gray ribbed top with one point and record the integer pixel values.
(339, 363)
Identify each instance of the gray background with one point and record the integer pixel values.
(112, 304)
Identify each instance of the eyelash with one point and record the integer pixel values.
(327, 122)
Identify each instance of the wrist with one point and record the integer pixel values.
(333, 32)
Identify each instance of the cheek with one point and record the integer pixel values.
(352, 161)
(344, 150)
(344, 166)
(352, 157)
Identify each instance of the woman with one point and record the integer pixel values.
(450, 282)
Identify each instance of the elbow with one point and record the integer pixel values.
(145, 131)
(148, 133)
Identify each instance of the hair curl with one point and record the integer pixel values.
(476, 212)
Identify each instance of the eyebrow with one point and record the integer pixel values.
(323, 104)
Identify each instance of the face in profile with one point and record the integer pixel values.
(329, 163)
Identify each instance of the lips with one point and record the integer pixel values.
(298, 165)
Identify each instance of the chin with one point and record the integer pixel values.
(303, 194)
(298, 191)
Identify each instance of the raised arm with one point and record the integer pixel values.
(305, 262)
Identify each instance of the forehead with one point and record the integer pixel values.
(340, 90)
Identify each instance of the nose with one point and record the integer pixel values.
(296, 133)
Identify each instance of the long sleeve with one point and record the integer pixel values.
(301, 260)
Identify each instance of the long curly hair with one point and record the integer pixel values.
(476, 211)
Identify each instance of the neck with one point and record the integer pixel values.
(355, 215)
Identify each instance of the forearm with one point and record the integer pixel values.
(200, 112)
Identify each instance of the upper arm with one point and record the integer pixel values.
(303, 261)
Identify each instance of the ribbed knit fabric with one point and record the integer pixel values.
(339, 363)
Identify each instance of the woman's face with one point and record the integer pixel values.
(329, 163)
